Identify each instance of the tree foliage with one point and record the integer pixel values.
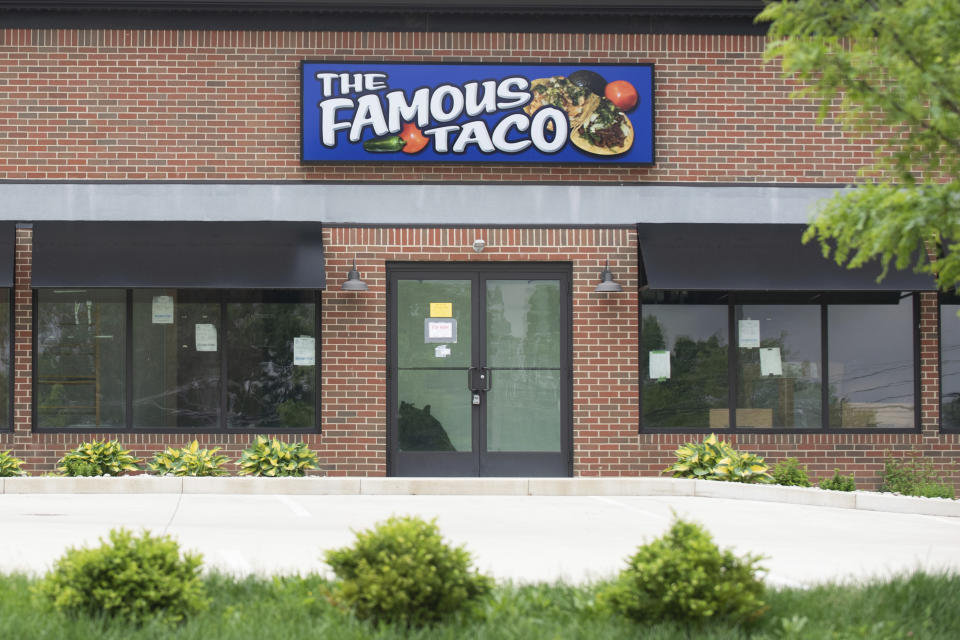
(884, 65)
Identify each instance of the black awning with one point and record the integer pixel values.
(754, 257)
(215, 255)
(8, 252)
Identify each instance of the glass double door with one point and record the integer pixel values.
(480, 370)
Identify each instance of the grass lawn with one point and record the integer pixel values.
(915, 606)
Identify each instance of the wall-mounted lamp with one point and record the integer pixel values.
(479, 244)
(606, 281)
(353, 281)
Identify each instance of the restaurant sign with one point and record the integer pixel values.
(476, 113)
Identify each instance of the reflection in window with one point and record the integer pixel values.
(783, 351)
(81, 358)
(183, 342)
(871, 364)
(265, 387)
(950, 365)
(778, 381)
(5, 360)
(176, 380)
(685, 339)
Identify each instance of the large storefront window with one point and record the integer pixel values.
(5, 368)
(786, 346)
(949, 362)
(158, 359)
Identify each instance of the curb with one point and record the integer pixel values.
(863, 500)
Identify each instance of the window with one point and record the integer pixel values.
(768, 355)
(176, 359)
(6, 381)
(949, 362)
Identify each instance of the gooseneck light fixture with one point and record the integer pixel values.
(353, 281)
(606, 281)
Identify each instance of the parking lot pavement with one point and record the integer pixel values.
(523, 538)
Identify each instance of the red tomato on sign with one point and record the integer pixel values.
(622, 94)
(414, 138)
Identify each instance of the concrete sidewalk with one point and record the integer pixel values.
(525, 538)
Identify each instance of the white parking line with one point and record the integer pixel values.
(294, 506)
(630, 508)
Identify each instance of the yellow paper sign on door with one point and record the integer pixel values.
(441, 309)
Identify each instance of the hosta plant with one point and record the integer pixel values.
(98, 458)
(273, 458)
(188, 461)
(715, 459)
(10, 465)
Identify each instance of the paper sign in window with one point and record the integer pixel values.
(770, 362)
(304, 351)
(441, 309)
(659, 365)
(749, 331)
(162, 310)
(439, 330)
(206, 337)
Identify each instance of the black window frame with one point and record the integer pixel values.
(12, 373)
(942, 299)
(223, 297)
(822, 298)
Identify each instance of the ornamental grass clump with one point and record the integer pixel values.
(188, 461)
(134, 578)
(272, 458)
(401, 571)
(715, 459)
(684, 577)
(838, 482)
(98, 458)
(914, 476)
(10, 465)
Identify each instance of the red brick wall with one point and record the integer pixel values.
(224, 105)
(605, 334)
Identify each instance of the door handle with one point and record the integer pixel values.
(479, 379)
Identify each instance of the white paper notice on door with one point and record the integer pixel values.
(770, 362)
(162, 310)
(206, 337)
(440, 330)
(304, 351)
(749, 334)
(659, 365)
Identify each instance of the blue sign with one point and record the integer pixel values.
(380, 112)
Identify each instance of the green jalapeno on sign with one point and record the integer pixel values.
(384, 144)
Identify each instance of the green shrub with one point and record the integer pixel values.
(790, 473)
(98, 458)
(715, 459)
(10, 465)
(839, 482)
(188, 461)
(270, 457)
(914, 476)
(402, 571)
(129, 577)
(684, 577)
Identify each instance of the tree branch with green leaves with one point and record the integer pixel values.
(887, 70)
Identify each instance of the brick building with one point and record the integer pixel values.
(178, 253)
